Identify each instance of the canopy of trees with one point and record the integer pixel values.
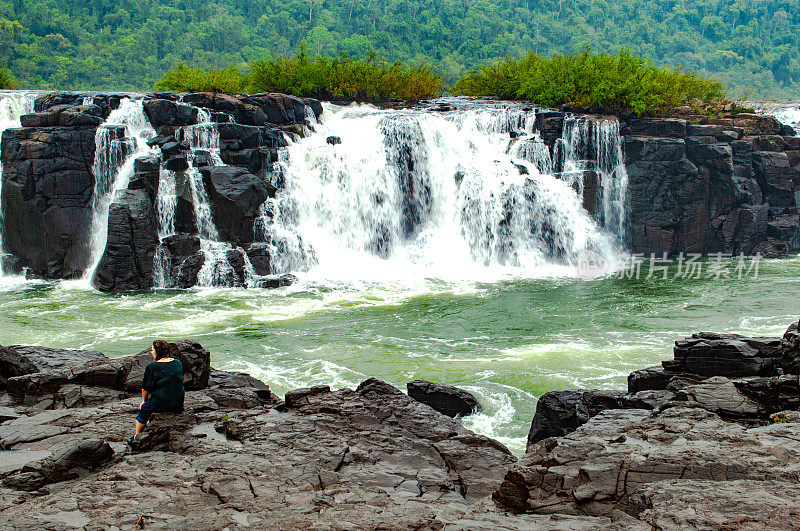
(750, 45)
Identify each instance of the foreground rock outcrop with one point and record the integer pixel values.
(237, 456)
(710, 439)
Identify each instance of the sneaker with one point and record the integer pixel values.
(130, 441)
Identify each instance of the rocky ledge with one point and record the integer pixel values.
(710, 439)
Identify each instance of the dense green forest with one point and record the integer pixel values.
(753, 46)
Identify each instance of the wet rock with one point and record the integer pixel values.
(163, 112)
(275, 281)
(127, 263)
(236, 197)
(333, 140)
(446, 399)
(774, 176)
(315, 105)
(47, 198)
(282, 109)
(243, 110)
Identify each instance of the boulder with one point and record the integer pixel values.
(236, 197)
(127, 263)
(559, 413)
(163, 112)
(445, 399)
(274, 281)
(241, 108)
(18, 360)
(238, 390)
(790, 349)
(282, 109)
(729, 355)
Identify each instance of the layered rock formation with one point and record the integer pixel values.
(726, 185)
(692, 445)
(49, 190)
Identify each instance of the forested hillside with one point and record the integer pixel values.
(753, 46)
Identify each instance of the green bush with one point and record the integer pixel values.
(343, 78)
(593, 81)
(7, 81)
(184, 78)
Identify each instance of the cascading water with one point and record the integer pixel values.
(445, 195)
(119, 141)
(594, 145)
(789, 115)
(12, 106)
(203, 139)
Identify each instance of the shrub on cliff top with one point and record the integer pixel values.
(338, 78)
(184, 78)
(343, 78)
(594, 81)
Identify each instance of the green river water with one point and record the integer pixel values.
(508, 341)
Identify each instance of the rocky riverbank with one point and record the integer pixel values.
(709, 439)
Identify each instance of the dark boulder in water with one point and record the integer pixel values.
(236, 196)
(729, 355)
(127, 263)
(333, 140)
(790, 349)
(445, 399)
(163, 112)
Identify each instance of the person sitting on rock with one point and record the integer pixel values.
(162, 386)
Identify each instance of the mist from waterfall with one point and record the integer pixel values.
(12, 106)
(465, 195)
(119, 141)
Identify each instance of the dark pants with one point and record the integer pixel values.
(144, 413)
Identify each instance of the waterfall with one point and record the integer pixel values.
(448, 194)
(789, 115)
(119, 141)
(594, 145)
(12, 106)
(203, 139)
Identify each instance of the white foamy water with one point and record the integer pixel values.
(12, 106)
(408, 196)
